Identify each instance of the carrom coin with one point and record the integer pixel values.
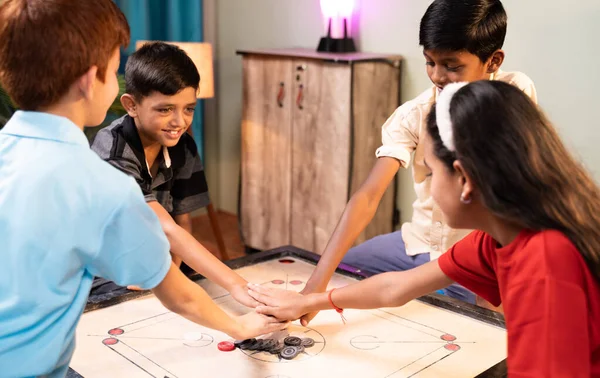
(307, 342)
(246, 344)
(226, 346)
(292, 341)
(277, 348)
(268, 344)
(289, 352)
(255, 345)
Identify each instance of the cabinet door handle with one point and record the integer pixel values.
(281, 94)
(300, 97)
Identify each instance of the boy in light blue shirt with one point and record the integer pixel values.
(66, 215)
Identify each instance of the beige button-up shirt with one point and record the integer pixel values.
(401, 134)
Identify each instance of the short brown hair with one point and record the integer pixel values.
(45, 45)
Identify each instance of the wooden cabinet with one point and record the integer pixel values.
(311, 123)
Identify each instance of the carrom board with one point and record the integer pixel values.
(130, 334)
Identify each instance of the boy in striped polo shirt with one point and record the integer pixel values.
(150, 143)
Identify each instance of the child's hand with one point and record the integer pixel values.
(240, 294)
(306, 318)
(253, 324)
(282, 304)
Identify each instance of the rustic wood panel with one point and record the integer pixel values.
(320, 151)
(304, 53)
(266, 155)
(374, 98)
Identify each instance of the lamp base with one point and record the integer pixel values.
(336, 45)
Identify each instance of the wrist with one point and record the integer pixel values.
(234, 329)
(237, 282)
(315, 302)
(315, 286)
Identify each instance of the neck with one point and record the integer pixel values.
(151, 153)
(502, 231)
(66, 109)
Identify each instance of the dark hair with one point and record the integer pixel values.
(159, 67)
(478, 26)
(521, 168)
(45, 45)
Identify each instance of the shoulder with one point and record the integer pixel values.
(516, 78)
(420, 103)
(551, 252)
(106, 141)
(102, 175)
(415, 110)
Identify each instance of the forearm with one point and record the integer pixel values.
(184, 221)
(391, 289)
(189, 300)
(185, 246)
(358, 214)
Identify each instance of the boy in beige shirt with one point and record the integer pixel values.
(462, 41)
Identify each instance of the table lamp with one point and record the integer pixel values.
(337, 15)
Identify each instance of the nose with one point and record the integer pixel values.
(178, 119)
(438, 76)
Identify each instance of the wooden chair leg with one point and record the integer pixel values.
(214, 224)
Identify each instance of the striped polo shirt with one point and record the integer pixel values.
(179, 185)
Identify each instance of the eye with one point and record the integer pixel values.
(428, 63)
(429, 174)
(191, 110)
(164, 110)
(454, 68)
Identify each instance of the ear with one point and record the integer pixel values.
(495, 61)
(130, 105)
(468, 186)
(87, 82)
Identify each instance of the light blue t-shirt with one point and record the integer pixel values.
(65, 217)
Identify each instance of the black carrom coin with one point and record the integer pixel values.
(292, 341)
(277, 348)
(307, 342)
(289, 352)
(268, 344)
(246, 344)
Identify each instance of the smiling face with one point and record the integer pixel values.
(162, 119)
(445, 67)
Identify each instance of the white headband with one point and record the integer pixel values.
(442, 114)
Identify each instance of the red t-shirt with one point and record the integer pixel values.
(551, 300)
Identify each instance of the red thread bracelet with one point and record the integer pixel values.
(337, 309)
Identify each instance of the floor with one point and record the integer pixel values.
(228, 222)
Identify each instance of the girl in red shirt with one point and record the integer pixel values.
(498, 166)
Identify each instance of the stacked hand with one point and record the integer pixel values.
(282, 304)
(253, 324)
(240, 294)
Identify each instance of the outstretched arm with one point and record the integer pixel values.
(383, 290)
(186, 247)
(184, 221)
(359, 211)
(184, 297)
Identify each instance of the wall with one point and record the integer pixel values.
(554, 43)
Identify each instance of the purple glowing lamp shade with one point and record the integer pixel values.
(335, 8)
(337, 14)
